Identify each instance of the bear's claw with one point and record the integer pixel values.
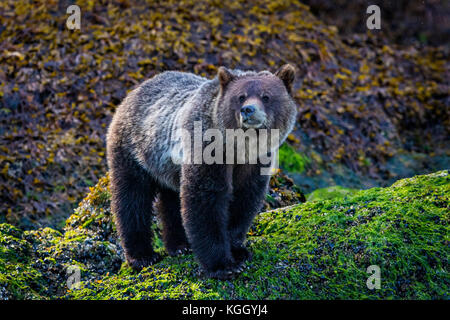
(139, 263)
(240, 255)
(238, 269)
(220, 274)
(184, 249)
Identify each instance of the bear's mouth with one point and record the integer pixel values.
(252, 124)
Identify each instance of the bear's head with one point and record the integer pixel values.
(257, 100)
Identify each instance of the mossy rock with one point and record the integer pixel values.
(282, 192)
(330, 193)
(315, 250)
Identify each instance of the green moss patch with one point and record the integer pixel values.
(316, 250)
(292, 161)
(329, 193)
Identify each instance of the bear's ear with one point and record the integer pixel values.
(287, 74)
(225, 76)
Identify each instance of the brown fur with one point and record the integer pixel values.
(208, 208)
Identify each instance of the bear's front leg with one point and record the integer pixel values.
(206, 191)
(249, 190)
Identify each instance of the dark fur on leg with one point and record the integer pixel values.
(169, 213)
(132, 195)
(205, 195)
(248, 194)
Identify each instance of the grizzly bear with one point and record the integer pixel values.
(208, 208)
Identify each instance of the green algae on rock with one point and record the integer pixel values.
(315, 250)
(34, 264)
(329, 193)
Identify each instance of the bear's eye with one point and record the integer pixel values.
(241, 98)
(265, 98)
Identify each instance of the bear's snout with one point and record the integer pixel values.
(247, 111)
(252, 114)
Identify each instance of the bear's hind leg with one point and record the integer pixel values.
(132, 193)
(169, 213)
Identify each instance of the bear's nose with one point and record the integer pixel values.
(247, 111)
